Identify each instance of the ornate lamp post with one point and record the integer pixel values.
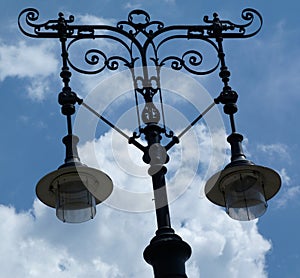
(75, 189)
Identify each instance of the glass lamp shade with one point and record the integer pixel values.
(74, 203)
(74, 192)
(243, 190)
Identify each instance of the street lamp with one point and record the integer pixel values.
(242, 187)
(72, 188)
(75, 189)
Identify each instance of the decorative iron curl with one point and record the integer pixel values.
(191, 61)
(96, 57)
(146, 27)
(92, 57)
(99, 59)
(249, 15)
(226, 28)
(42, 30)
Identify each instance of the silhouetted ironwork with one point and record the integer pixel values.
(141, 43)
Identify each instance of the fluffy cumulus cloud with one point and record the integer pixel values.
(35, 243)
(16, 59)
(36, 62)
(32, 250)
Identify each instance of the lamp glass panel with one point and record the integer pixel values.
(244, 196)
(74, 203)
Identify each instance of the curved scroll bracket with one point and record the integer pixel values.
(137, 35)
(58, 26)
(228, 29)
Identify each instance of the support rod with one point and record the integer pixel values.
(130, 139)
(196, 120)
(175, 139)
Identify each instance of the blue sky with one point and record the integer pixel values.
(265, 72)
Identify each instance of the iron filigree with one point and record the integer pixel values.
(139, 43)
(141, 38)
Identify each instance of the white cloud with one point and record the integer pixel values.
(132, 6)
(95, 20)
(26, 252)
(23, 60)
(35, 62)
(35, 243)
(289, 194)
(285, 178)
(137, 4)
(277, 150)
(37, 89)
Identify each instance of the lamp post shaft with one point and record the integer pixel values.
(161, 200)
(167, 252)
(156, 156)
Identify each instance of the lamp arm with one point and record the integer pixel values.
(131, 140)
(175, 139)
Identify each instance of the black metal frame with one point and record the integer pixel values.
(142, 40)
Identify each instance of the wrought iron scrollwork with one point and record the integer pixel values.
(98, 59)
(140, 44)
(190, 60)
(146, 27)
(228, 29)
(43, 30)
(128, 35)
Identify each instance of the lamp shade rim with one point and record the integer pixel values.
(45, 188)
(270, 179)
